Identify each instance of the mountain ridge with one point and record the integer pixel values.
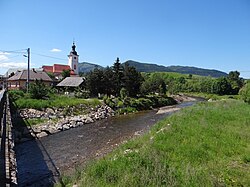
(86, 67)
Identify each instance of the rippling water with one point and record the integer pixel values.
(41, 161)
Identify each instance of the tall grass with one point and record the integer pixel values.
(204, 145)
(57, 101)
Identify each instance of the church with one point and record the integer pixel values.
(57, 69)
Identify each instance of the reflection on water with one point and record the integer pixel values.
(73, 147)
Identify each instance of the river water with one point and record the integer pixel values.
(40, 162)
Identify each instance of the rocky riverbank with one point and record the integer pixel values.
(180, 98)
(56, 120)
(61, 119)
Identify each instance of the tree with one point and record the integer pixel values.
(163, 88)
(95, 81)
(132, 80)
(235, 81)
(51, 75)
(38, 90)
(153, 84)
(65, 73)
(222, 86)
(245, 92)
(190, 76)
(118, 75)
(109, 81)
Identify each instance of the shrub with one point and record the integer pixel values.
(82, 94)
(120, 104)
(245, 93)
(16, 94)
(126, 110)
(108, 101)
(123, 93)
(38, 90)
(141, 104)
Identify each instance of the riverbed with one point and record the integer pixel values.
(40, 162)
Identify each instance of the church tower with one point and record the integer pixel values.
(73, 59)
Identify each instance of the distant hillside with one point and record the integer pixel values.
(145, 67)
(85, 67)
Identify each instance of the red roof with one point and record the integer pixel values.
(57, 68)
(48, 69)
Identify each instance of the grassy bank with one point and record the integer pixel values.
(59, 101)
(129, 104)
(213, 96)
(204, 145)
(23, 100)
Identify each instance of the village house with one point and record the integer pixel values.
(19, 80)
(72, 83)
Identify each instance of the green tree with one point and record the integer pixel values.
(65, 73)
(118, 76)
(109, 81)
(222, 86)
(51, 75)
(163, 88)
(132, 80)
(235, 81)
(123, 93)
(153, 84)
(245, 92)
(38, 90)
(95, 81)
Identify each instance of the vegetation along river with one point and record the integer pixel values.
(41, 161)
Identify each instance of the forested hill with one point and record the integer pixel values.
(145, 67)
(85, 67)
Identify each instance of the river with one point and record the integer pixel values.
(41, 161)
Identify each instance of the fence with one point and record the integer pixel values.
(7, 159)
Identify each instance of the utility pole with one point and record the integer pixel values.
(28, 75)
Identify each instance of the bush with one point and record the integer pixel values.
(16, 94)
(108, 101)
(38, 90)
(159, 101)
(126, 110)
(82, 94)
(123, 93)
(245, 93)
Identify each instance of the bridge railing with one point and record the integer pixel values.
(7, 161)
(2, 137)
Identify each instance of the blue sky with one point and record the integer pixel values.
(213, 34)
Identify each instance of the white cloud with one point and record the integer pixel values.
(55, 50)
(4, 53)
(3, 57)
(13, 64)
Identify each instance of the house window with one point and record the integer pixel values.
(74, 57)
(74, 66)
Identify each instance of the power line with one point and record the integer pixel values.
(10, 58)
(14, 51)
(49, 56)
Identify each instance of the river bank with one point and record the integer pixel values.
(55, 120)
(43, 160)
(204, 145)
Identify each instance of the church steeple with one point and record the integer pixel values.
(73, 51)
(73, 59)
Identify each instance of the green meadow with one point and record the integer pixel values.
(204, 145)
